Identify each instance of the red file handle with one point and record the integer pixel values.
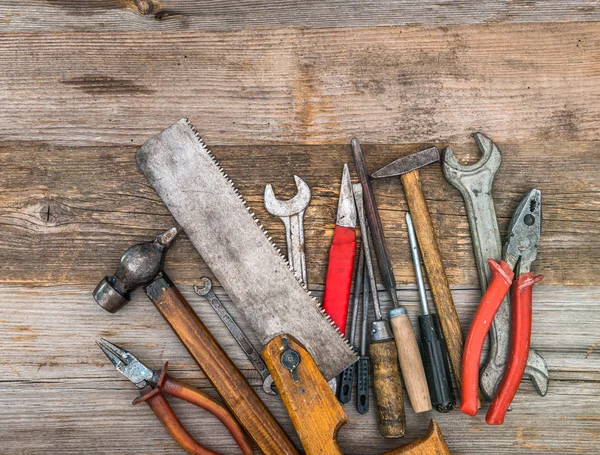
(165, 414)
(339, 275)
(502, 277)
(520, 337)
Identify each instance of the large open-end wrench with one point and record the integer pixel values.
(291, 213)
(475, 185)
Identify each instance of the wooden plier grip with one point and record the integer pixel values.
(155, 398)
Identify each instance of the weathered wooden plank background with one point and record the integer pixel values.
(278, 88)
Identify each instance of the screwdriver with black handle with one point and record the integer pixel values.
(433, 348)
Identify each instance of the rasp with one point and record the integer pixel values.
(234, 245)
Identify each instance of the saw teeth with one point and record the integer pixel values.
(264, 231)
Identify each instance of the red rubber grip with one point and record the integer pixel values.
(339, 275)
(520, 337)
(502, 277)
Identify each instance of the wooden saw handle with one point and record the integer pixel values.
(431, 444)
(315, 412)
(313, 408)
(225, 377)
(436, 274)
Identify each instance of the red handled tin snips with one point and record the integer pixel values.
(519, 251)
(154, 385)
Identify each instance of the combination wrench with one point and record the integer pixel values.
(475, 185)
(291, 213)
(241, 338)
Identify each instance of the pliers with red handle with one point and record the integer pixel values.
(519, 251)
(154, 385)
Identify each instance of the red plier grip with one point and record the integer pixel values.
(339, 275)
(165, 414)
(502, 276)
(520, 337)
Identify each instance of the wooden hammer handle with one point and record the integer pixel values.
(225, 377)
(315, 412)
(436, 275)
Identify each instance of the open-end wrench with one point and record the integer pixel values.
(475, 185)
(241, 338)
(291, 213)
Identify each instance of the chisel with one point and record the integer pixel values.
(433, 346)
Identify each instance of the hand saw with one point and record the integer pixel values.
(236, 248)
(302, 348)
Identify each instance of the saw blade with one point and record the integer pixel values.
(235, 246)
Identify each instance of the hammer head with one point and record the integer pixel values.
(408, 163)
(138, 266)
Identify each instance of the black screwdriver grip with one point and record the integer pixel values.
(435, 362)
(362, 385)
(345, 392)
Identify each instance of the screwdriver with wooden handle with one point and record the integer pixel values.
(382, 349)
(433, 346)
(406, 343)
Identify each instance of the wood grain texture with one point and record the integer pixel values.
(430, 444)
(68, 213)
(411, 365)
(314, 410)
(387, 386)
(60, 395)
(111, 15)
(434, 267)
(383, 85)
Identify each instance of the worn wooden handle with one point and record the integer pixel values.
(411, 364)
(431, 444)
(436, 275)
(315, 412)
(225, 377)
(388, 388)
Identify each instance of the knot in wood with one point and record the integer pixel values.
(145, 6)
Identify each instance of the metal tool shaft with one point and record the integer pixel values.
(370, 207)
(412, 238)
(364, 229)
(345, 390)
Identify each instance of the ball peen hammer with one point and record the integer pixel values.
(141, 266)
(407, 168)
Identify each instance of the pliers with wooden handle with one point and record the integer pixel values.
(154, 385)
(519, 251)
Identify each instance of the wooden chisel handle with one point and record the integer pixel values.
(225, 377)
(313, 408)
(388, 388)
(436, 274)
(411, 364)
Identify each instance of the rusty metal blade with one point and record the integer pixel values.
(408, 163)
(235, 246)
